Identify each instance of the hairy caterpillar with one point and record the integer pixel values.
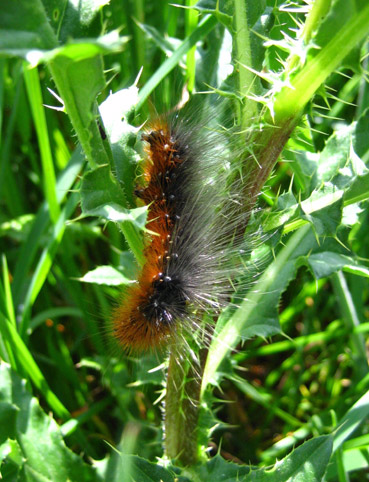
(194, 226)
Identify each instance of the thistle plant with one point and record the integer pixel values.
(291, 358)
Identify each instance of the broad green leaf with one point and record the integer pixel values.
(100, 188)
(131, 467)
(29, 29)
(325, 218)
(74, 18)
(257, 314)
(45, 455)
(115, 111)
(307, 463)
(335, 155)
(219, 470)
(23, 27)
(102, 196)
(8, 416)
(106, 275)
(79, 83)
(360, 137)
(358, 191)
(317, 209)
(325, 263)
(14, 459)
(81, 49)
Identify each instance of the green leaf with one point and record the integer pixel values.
(74, 17)
(114, 113)
(102, 196)
(257, 314)
(307, 463)
(358, 191)
(100, 188)
(29, 29)
(219, 470)
(360, 137)
(106, 275)
(12, 453)
(325, 218)
(8, 415)
(45, 455)
(335, 154)
(325, 263)
(79, 83)
(128, 467)
(23, 27)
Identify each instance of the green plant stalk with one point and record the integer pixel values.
(191, 23)
(243, 59)
(181, 406)
(174, 417)
(290, 102)
(35, 98)
(319, 9)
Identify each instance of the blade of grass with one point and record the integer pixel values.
(204, 27)
(8, 186)
(27, 367)
(351, 420)
(351, 320)
(29, 248)
(9, 306)
(32, 81)
(45, 262)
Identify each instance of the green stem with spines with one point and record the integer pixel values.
(319, 9)
(292, 99)
(290, 102)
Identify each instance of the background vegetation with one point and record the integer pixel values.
(290, 365)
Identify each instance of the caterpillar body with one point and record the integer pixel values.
(192, 224)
